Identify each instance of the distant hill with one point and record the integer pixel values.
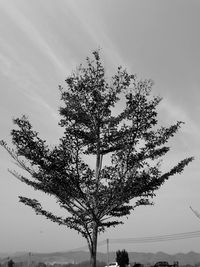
(79, 256)
(2, 255)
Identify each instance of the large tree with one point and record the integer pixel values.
(115, 119)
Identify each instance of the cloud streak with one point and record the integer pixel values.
(175, 112)
(94, 27)
(24, 82)
(28, 28)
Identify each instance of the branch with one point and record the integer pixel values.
(14, 155)
(69, 222)
(67, 204)
(195, 212)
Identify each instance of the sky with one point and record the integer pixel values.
(41, 43)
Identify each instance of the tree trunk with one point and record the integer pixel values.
(93, 247)
(93, 258)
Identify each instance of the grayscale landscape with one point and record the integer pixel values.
(99, 132)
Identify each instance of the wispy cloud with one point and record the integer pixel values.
(93, 25)
(23, 75)
(32, 32)
(5, 66)
(36, 99)
(175, 112)
(24, 81)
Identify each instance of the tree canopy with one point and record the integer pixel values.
(117, 118)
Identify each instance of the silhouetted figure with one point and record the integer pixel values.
(11, 263)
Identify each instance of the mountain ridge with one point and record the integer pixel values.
(80, 256)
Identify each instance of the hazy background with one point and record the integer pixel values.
(41, 43)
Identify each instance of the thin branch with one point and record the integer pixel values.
(197, 214)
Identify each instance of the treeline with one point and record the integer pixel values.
(42, 264)
(10, 263)
(81, 264)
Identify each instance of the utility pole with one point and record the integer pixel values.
(107, 241)
(29, 259)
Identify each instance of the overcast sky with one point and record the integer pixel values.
(41, 43)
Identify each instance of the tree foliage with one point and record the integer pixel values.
(116, 119)
(122, 258)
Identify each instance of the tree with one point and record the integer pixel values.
(116, 119)
(122, 258)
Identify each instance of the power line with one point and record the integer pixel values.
(101, 243)
(159, 238)
(148, 239)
